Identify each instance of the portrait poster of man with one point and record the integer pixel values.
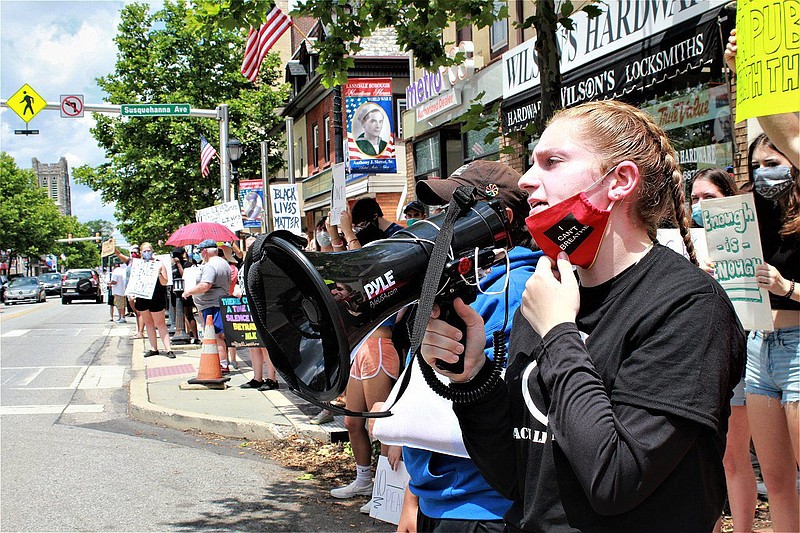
(370, 125)
(251, 200)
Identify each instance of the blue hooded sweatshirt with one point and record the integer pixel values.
(451, 487)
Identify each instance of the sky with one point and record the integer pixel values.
(58, 47)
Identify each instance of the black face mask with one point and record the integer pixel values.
(370, 232)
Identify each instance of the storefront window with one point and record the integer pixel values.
(476, 148)
(427, 158)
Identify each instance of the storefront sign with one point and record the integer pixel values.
(767, 59)
(431, 85)
(442, 103)
(370, 123)
(622, 24)
(659, 58)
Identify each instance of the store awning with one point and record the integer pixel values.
(688, 46)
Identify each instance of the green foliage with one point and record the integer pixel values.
(419, 25)
(79, 254)
(153, 173)
(103, 227)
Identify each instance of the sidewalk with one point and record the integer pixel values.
(156, 398)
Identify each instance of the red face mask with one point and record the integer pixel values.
(573, 226)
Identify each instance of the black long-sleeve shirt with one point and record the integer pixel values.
(616, 423)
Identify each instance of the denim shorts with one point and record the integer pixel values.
(773, 364)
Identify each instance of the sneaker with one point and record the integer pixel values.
(365, 509)
(151, 353)
(226, 370)
(324, 417)
(234, 365)
(122, 321)
(352, 490)
(252, 384)
(269, 384)
(171, 354)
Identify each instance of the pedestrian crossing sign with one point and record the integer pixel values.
(26, 103)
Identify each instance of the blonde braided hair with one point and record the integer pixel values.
(621, 132)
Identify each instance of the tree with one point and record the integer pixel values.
(31, 220)
(103, 227)
(79, 254)
(419, 28)
(153, 173)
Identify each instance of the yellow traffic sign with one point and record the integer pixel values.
(26, 103)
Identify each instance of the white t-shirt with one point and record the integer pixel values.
(119, 275)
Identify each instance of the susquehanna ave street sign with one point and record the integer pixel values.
(154, 110)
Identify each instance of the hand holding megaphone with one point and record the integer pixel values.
(444, 342)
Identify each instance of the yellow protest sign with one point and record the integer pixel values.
(767, 58)
(26, 103)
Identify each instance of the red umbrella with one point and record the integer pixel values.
(199, 231)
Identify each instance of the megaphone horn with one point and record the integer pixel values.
(315, 309)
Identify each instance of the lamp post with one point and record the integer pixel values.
(234, 154)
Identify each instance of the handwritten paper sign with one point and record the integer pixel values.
(338, 193)
(388, 491)
(671, 238)
(285, 203)
(144, 276)
(767, 71)
(240, 331)
(227, 214)
(735, 247)
(190, 277)
(167, 260)
(108, 247)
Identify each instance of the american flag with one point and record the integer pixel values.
(259, 42)
(207, 153)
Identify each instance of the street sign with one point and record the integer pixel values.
(154, 110)
(26, 103)
(26, 132)
(71, 106)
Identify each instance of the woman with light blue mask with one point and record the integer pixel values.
(708, 184)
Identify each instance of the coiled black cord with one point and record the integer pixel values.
(478, 390)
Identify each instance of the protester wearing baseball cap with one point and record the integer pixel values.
(493, 180)
(212, 284)
(457, 497)
(414, 211)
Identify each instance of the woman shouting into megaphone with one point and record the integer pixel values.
(614, 405)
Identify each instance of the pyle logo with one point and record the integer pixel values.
(379, 285)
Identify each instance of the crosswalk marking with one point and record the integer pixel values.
(15, 333)
(50, 409)
(107, 331)
(102, 377)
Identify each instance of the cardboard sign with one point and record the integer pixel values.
(240, 331)
(227, 214)
(338, 193)
(671, 238)
(143, 279)
(108, 247)
(767, 73)
(735, 247)
(285, 203)
(388, 491)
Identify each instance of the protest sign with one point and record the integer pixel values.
(285, 204)
(190, 277)
(240, 331)
(734, 245)
(388, 491)
(767, 72)
(671, 238)
(143, 279)
(227, 214)
(108, 247)
(338, 193)
(251, 198)
(167, 260)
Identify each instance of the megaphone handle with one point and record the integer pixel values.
(449, 315)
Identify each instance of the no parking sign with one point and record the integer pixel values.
(71, 106)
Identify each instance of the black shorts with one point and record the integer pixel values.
(110, 298)
(154, 306)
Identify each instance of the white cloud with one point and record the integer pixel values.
(58, 47)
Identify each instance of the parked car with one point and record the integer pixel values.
(52, 282)
(3, 284)
(25, 289)
(81, 284)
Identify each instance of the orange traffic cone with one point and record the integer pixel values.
(210, 372)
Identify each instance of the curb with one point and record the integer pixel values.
(142, 409)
